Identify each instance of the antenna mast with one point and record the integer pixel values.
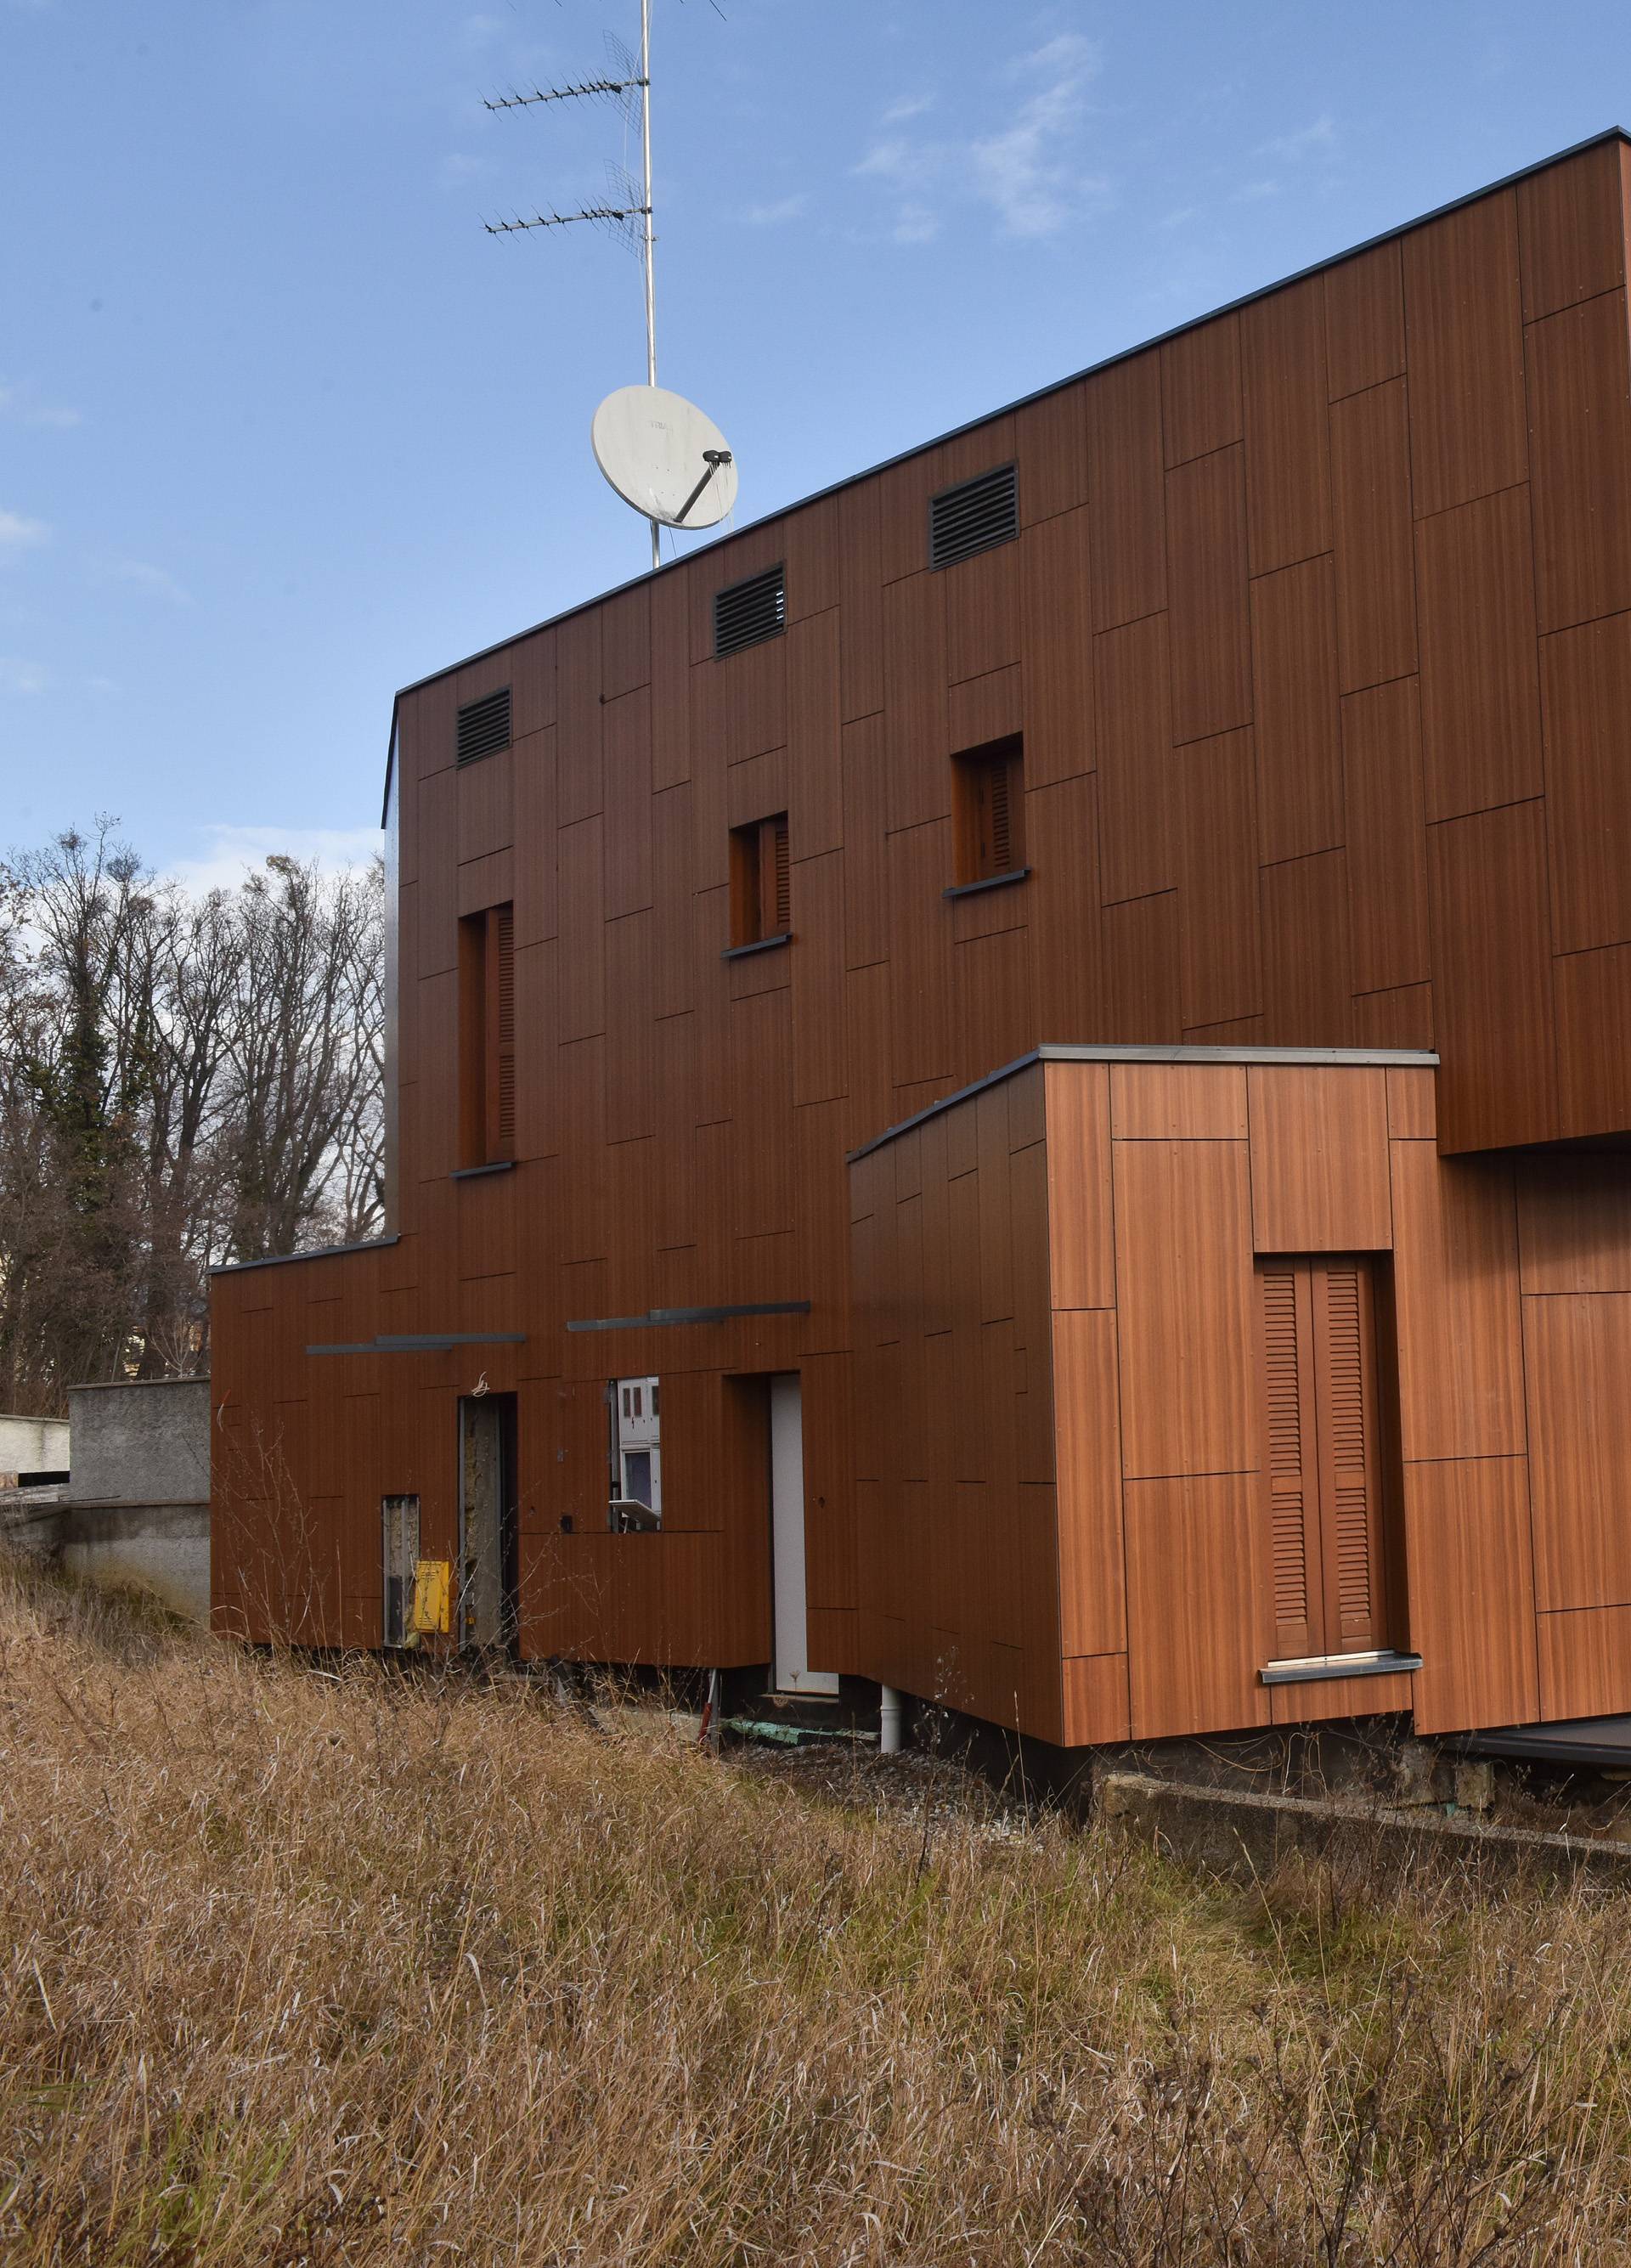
(630, 204)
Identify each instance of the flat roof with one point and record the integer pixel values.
(1114, 1051)
(1006, 408)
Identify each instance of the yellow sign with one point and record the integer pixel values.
(431, 1584)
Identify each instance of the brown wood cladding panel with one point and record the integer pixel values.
(1386, 837)
(1464, 324)
(1050, 441)
(920, 970)
(1223, 973)
(1574, 1359)
(1178, 1103)
(1364, 320)
(1060, 908)
(1136, 773)
(1411, 1115)
(1472, 1595)
(1092, 1602)
(1593, 996)
(1288, 445)
(1455, 1276)
(1571, 230)
(982, 598)
(1480, 696)
(1574, 1215)
(1307, 957)
(1583, 1661)
(918, 771)
(1210, 649)
(1585, 687)
(1143, 976)
(1398, 1018)
(1375, 569)
(1056, 689)
(1081, 1229)
(1298, 728)
(1195, 1605)
(1319, 1158)
(1201, 395)
(1185, 1298)
(1579, 451)
(1098, 1702)
(1125, 491)
(1493, 978)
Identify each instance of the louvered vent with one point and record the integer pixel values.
(973, 516)
(749, 612)
(484, 725)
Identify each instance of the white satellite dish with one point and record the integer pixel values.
(664, 457)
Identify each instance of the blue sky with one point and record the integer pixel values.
(281, 428)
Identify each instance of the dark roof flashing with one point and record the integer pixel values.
(1112, 1051)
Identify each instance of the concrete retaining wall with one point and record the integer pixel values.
(33, 1445)
(136, 1510)
(1243, 1837)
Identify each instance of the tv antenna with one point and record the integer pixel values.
(643, 446)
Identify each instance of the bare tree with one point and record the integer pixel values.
(182, 1080)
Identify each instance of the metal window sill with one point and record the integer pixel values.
(1305, 1672)
(495, 1166)
(989, 882)
(759, 944)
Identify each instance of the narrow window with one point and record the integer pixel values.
(760, 882)
(1323, 1464)
(988, 812)
(636, 1446)
(487, 1037)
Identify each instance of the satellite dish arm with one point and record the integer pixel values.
(714, 459)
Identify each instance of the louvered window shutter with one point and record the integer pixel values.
(1344, 1354)
(1001, 818)
(1293, 1467)
(504, 942)
(782, 876)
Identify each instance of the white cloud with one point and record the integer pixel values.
(1305, 143)
(143, 575)
(1022, 168)
(772, 215)
(18, 535)
(19, 403)
(24, 677)
(228, 855)
(458, 167)
(1032, 189)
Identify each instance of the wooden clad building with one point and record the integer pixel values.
(1219, 764)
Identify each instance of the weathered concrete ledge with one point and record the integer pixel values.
(1243, 1836)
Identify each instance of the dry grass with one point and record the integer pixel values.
(307, 1967)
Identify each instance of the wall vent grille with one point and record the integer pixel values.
(749, 612)
(973, 516)
(484, 727)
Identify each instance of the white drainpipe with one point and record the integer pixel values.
(889, 1721)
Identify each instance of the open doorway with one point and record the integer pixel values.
(488, 1551)
(791, 1671)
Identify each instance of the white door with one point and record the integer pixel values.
(792, 1671)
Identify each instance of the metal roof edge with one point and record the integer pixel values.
(1039, 393)
(317, 1252)
(1114, 1051)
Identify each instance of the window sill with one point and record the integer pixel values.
(1338, 1665)
(989, 882)
(470, 1173)
(759, 944)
